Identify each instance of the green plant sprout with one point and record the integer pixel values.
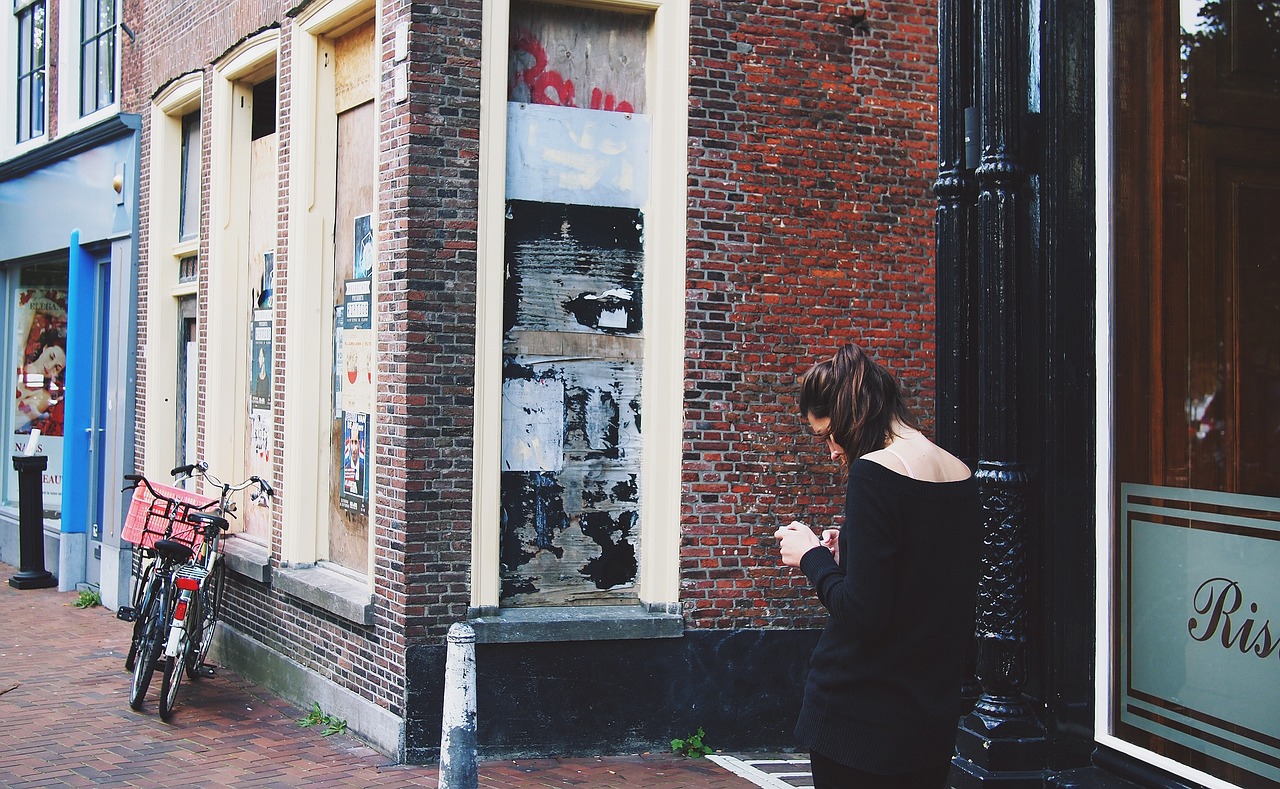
(88, 598)
(692, 746)
(317, 717)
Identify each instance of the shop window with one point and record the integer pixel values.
(1196, 461)
(353, 294)
(31, 70)
(38, 331)
(332, 184)
(583, 242)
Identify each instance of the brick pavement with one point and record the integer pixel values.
(65, 721)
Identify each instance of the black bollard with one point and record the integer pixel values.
(32, 574)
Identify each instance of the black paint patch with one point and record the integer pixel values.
(532, 515)
(556, 253)
(610, 313)
(627, 491)
(616, 563)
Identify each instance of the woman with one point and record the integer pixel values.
(899, 580)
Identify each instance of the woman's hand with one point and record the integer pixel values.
(831, 541)
(794, 541)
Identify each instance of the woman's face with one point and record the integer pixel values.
(821, 427)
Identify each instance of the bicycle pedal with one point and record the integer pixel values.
(206, 670)
(127, 614)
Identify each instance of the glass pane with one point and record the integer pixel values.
(106, 70)
(1197, 283)
(37, 37)
(189, 182)
(88, 77)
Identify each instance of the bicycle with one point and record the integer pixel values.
(165, 538)
(199, 585)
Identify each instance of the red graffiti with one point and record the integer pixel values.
(605, 101)
(533, 82)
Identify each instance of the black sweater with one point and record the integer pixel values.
(883, 690)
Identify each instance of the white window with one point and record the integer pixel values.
(88, 72)
(97, 55)
(31, 70)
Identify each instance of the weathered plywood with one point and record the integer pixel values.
(348, 526)
(354, 67)
(571, 407)
(574, 268)
(571, 531)
(577, 57)
(260, 426)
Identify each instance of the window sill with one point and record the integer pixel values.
(586, 623)
(247, 558)
(332, 591)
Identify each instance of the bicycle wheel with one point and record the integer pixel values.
(143, 599)
(210, 608)
(150, 648)
(169, 684)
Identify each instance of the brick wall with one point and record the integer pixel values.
(811, 158)
(810, 223)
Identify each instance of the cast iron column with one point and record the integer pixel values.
(1001, 741)
(957, 402)
(957, 394)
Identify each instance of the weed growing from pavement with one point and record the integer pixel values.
(88, 598)
(317, 717)
(692, 746)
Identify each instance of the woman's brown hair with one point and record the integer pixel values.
(860, 397)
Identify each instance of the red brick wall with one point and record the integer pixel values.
(811, 156)
(810, 224)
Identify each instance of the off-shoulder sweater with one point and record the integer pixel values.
(883, 690)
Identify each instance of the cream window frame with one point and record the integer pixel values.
(312, 176)
(662, 387)
(162, 285)
(226, 330)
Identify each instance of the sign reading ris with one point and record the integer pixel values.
(1200, 622)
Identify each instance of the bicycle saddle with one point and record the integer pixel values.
(208, 522)
(173, 550)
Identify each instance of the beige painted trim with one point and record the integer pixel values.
(308, 396)
(662, 390)
(665, 255)
(226, 328)
(161, 286)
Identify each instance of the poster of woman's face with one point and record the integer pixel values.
(41, 386)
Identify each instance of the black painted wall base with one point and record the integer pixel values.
(615, 697)
(1009, 753)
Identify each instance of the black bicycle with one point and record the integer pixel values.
(199, 586)
(165, 537)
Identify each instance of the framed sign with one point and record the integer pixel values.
(1199, 659)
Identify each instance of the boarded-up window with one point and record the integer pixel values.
(577, 187)
(263, 216)
(353, 293)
